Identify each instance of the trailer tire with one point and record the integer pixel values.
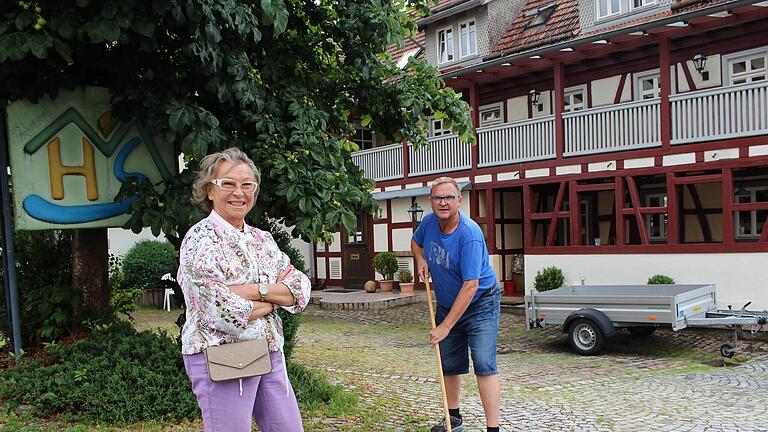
(641, 331)
(585, 336)
(727, 351)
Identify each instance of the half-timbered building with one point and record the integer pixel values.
(617, 139)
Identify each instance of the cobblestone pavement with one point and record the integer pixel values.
(666, 382)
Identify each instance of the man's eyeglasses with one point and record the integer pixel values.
(229, 185)
(447, 198)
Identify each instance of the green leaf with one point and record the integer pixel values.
(82, 3)
(366, 120)
(63, 50)
(143, 28)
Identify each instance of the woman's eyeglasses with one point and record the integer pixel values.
(229, 185)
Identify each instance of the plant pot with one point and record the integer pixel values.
(386, 285)
(406, 288)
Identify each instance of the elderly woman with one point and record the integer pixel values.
(234, 278)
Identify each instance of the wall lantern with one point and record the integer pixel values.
(534, 95)
(700, 62)
(416, 213)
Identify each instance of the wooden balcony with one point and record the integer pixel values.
(700, 116)
(516, 142)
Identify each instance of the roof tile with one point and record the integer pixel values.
(562, 24)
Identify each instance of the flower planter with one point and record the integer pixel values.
(386, 285)
(406, 288)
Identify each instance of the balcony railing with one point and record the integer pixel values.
(517, 142)
(722, 113)
(381, 163)
(706, 115)
(444, 153)
(612, 128)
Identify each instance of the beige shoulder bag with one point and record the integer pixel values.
(238, 360)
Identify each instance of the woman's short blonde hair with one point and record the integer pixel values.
(207, 169)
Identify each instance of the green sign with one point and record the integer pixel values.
(69, 159)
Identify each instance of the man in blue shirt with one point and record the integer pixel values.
(450, 247)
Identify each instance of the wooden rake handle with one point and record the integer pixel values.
(439, 362)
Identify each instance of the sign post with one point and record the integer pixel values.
(8, 250)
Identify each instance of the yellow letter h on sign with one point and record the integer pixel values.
(58, 171)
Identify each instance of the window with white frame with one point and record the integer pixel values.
(647, 85)
(445, 45)
(637, 4)
(492, 115)
(656, 224)
(467, 38)
(575, 99)
(606, 8)
(747, 68)
(749, 224)
(438, 128)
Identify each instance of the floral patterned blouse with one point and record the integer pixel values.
(215, 255)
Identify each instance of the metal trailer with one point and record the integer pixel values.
(590, 313)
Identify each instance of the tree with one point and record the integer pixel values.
(282, 79)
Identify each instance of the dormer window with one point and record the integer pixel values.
(541, 15)
(637, 4)
(606, 8)
(445, 45)
(467, 38)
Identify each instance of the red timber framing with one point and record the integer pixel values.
(628, 206)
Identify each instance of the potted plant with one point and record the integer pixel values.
(406, 282)
(548, 279)
(386, 264)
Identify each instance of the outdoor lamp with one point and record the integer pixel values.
(700, 62)
(416, 212)
(534, 95)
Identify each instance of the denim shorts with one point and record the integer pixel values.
(475, 332)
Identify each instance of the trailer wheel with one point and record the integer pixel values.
(727, 351)
(585, 336)
(641, 331)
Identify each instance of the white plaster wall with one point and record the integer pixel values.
(380, 238)
(604, 90)
(400, 208)
(545, 100)
(517, 108)
(740, 277)
(713, 66)
(401, 239)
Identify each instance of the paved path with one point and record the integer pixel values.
(662, 383)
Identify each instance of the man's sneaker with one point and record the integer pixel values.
(457, 425)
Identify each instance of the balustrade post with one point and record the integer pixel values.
(406, 160)
(665, 85)
(474, 102)
(559, 105)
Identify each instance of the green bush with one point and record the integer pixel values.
(47, 301)
(122, 298)
(120, 376)
(386, 264)
(147, 261)
(548, 279)
(660, 279)
(405, 276)
(117, 376)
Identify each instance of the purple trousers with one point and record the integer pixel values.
(226, 407)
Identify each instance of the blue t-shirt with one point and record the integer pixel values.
(454, 258)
